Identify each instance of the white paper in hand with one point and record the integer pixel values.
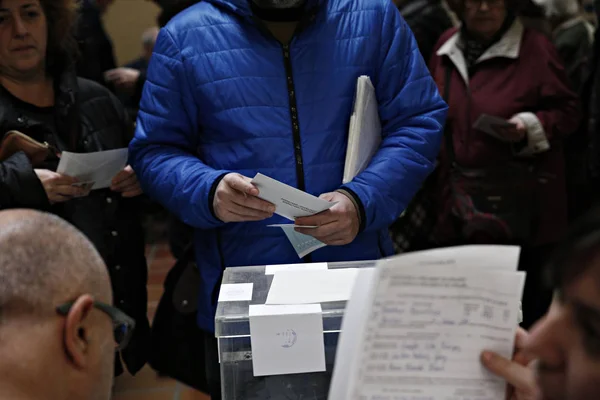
(290, 202)
(364, 136)
(303, 244)
(98, 167)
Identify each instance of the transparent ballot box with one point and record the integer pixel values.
(235, 350)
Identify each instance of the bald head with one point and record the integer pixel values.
(45, 262)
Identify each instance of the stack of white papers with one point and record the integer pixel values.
(292, 203)
(415, 328)
(97, 169)
(364, 136)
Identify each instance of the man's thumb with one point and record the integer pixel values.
(327, 196)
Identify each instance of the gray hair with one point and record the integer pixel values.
(44, 261)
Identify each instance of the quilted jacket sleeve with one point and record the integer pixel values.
(19, 185)
(163, 150)
(412, 115)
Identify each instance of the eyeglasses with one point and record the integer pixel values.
(123, 324)
(470, 4)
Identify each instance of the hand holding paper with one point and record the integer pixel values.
(518, 372)
(236, 200)
(98, 168)
(126, 183)
(335, 227)
(59, 188)
(513, 130)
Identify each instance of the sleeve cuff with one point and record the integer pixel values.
(211, 196)
(537, 141)
(360, 209)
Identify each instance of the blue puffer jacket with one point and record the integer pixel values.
(217, 100)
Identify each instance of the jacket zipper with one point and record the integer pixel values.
(287, 61)
(294, 114)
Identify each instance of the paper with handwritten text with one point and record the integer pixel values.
(424, 329)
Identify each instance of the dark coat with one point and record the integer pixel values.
(95, 46)
(95, 121)
(520, 75)
(428, 19)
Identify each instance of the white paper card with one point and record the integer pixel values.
(489, 124)
(235, 292)
(271, 269)
(99, 167)
(417, 328)
(290, 202)
(308, 287)
(303, 244)
(352, 329)
(287, 339)
(364, 134)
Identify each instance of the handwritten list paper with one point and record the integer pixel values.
(422, 336)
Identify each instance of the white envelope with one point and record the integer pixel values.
(98, 167)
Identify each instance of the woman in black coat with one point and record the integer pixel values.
(42, 98)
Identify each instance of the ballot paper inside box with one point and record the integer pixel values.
(234, 334)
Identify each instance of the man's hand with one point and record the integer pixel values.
(126, 183)
(335, 227)
(235, 200)
(518, 372)
(123, 78)
(59, 188)
(515, 133)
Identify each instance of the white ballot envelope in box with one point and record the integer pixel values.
(98, 168)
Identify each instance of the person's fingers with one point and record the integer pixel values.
(323, 218)
(515, 374)
(59, 180)
(248, 212)
(124, 184)
(253, 203)
(112, 75)
(327, 196)
(241, 184)
(229, 216)
(137, 191)
(327, 231)
(70, 191)
(58, 198)
(521, 337)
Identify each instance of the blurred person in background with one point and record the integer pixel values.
(58, 329)
(170, 8)
(503, 181)
(560, 358)
(41, 97)
(572, 35)
(96, 53)
(428, 19)
(588, 192)
(533, 16)
(129, 80)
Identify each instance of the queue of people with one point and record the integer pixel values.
(271, 91)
